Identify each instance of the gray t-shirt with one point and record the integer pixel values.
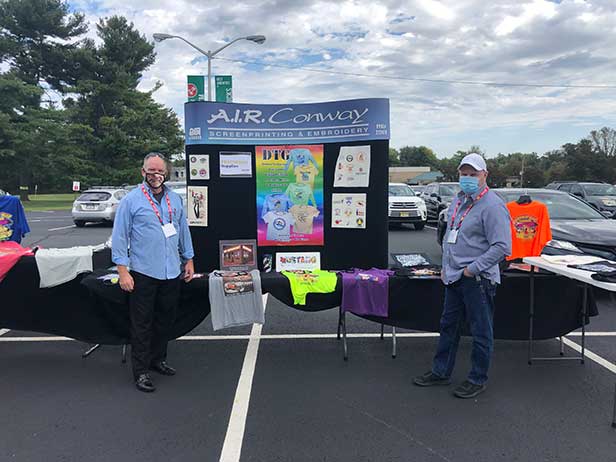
(235, 298)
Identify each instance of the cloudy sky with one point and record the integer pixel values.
(393, 43)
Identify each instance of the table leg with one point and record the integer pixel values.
(531, 314)
(562, 346)
(614, 412)
(394, 350)
(584, 310)
(124, 354)
(382, 330)
(344, 337)
(339, 321)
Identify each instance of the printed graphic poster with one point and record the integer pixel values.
(235, 164)
(353, 167)
(197, 205)
(349, 211)
(289, 195)
(301, 261)
(199, 166)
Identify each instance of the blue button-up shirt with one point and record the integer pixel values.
(484, 239)
(136, 227)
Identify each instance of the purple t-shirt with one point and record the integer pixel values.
(366, 292)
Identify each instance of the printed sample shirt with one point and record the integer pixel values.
(530, 229)
(276, 203)
(13, 222)
(366, 292)
(300, 194)
(302, 284)
(10, 253)
(235, 298)
(57, 266)
(300, 156)
(304, 216)
(137, 226)
(306, 174)
(279, 226)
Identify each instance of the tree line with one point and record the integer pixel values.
(69, 105)
(591, 159)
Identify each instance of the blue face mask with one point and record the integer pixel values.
(469, 184)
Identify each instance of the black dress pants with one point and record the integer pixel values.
(153, 304)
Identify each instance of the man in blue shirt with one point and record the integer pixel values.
(150, 241)
(478, 237)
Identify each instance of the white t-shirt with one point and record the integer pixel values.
(279, 226)
(57, 266)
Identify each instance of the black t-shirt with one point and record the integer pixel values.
(159, 196)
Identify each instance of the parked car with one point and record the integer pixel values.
(577, 228)
(97, 204)
(406, 207)
(601, 196)
(418, 188)
(438, 196)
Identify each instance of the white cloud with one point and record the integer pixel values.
(498, 41)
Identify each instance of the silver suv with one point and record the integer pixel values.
(98, 204)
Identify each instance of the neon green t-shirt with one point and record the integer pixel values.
(302, 284)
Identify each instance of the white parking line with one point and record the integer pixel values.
(431, 227)
(232, 447)
(4, 331)
(63, 227)
(590, 355)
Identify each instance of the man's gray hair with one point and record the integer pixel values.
(155, 154)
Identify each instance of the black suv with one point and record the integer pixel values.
(577, 228)
(438, 196)
(601, 196)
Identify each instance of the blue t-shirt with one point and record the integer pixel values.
(13, 222)
(276, 203)
(299, 157)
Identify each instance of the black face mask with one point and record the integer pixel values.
(149, 176)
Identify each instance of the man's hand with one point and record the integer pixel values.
(127, 283)
(468, 274)
(189, 271)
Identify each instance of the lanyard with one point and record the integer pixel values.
(455, 212)
(156, 208)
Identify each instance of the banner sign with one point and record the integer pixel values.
(195, 89)
(289, 195)
(224, 88)
(331, 122)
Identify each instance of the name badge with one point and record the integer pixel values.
(169, 230)
(452, 237)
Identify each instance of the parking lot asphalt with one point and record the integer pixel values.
(286, 394)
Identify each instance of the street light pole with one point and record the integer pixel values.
(258, 39)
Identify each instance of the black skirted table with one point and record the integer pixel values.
(98, 313)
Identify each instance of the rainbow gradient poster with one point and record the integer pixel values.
(289, 195)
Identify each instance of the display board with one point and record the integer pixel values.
(283, 200)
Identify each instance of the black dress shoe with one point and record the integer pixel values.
(163, 368)
(144, 383)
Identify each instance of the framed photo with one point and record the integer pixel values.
(197, 202)
(199, 166)
(238, 255)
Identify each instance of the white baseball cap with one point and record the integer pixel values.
(475, 161)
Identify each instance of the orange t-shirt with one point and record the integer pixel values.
(530, 229)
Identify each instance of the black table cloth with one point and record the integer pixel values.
(99, 313)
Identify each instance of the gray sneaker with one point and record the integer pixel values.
(468, 390)
(429, 380)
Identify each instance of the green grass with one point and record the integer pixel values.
(44, 202)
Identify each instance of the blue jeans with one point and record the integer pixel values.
(472, 300)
